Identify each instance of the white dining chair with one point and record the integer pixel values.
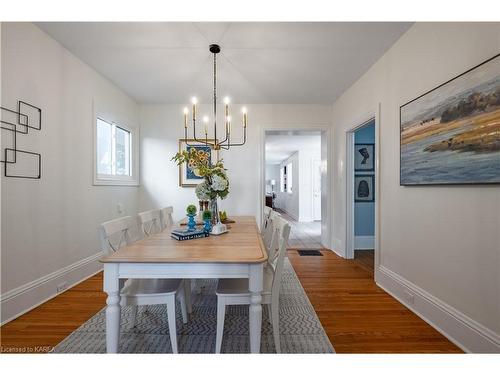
(235, 291)
(139, 292)
(166, 221)
(267, 212)
(166, 217)
(267, 234)
(150, 222)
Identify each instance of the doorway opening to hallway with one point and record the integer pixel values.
(295, 184)
(361, 207)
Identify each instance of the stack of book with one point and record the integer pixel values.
(184, 234)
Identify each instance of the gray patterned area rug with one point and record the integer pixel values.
(300, 328)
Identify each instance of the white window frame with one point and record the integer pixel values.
(112, 180)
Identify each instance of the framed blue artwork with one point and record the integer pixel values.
(188, 176)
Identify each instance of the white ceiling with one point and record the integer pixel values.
(281, 147)
(265, 63)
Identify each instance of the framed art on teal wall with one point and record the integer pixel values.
(364, 188)
(364, 157)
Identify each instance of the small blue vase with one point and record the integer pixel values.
(191, 223)
(208, 225)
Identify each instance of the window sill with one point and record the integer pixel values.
(114, 182)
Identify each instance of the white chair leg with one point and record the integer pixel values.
(187, 292)
(182, 300)
(133, 319)
(221, 313)
(268, 308)
(171, 322)
(275, 319)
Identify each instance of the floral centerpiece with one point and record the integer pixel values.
(215, 182)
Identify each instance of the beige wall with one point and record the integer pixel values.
(52, 223)
(443, 239)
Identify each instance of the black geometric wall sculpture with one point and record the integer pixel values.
(27, 116)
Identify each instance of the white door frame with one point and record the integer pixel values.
(359, 123)
(326, 128)
(313, 179)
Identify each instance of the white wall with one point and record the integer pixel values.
(440, 243)
(161, 128)
(49, 226)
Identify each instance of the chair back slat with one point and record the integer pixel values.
(150, 222)
(166, 217)
(267, 236)
(115, 234)
(281, 230)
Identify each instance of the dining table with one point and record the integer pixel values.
(239, 253)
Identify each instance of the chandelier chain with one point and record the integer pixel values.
(215, 97)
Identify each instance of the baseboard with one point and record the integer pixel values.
(463, 331)
(364, 242)
(19, 301)
(337, 247)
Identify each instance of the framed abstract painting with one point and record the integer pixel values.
(451, 134)
(188, 176)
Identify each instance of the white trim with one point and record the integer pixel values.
(24, 298)
(359, 122)
(327, 129)
(364, 242)
(463, 331)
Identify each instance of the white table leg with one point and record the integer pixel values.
(255, 287)
(112, 288)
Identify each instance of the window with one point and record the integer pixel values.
(289, 178)
(114, 154)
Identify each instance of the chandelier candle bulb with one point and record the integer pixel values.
(186, 111)
(194, 101)
(205, 121)
(244, 110)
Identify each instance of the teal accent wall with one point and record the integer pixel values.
(364, 212)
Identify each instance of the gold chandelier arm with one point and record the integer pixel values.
(225, 145)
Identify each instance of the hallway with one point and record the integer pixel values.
(303, 235)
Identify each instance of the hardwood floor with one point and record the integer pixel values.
(365, 259)
(358, 316)
(45, 326)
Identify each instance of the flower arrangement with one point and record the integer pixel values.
(215, 184)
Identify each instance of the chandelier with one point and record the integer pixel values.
(213, 142)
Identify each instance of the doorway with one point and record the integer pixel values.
(295, 183)
(362, 193)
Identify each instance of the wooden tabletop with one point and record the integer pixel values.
(242, 244)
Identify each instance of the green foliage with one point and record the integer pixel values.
(207, 215)
(191, 209)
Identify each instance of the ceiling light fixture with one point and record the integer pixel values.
(214, 143)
